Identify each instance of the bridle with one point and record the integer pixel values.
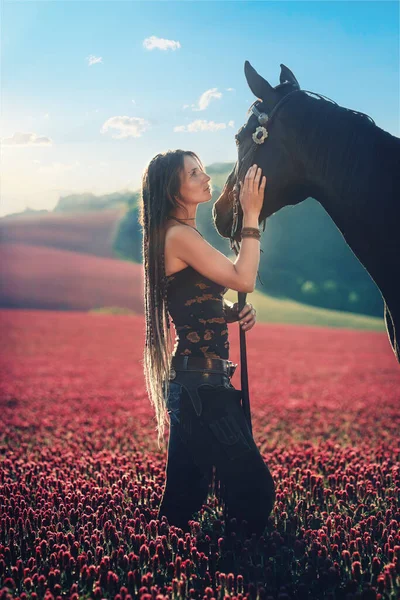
(259, 136)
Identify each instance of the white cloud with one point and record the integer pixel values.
(230, 89)
(231, 124)
(26, 139)
(206, 98)
(92, 59)
(200, 125)
(153, 42)
(126, 127)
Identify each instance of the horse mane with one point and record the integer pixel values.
(363, 117)
(313, 119)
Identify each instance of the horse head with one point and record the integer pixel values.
(267, 140)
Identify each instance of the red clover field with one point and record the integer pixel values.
(82, 476)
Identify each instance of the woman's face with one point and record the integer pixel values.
(195, 186)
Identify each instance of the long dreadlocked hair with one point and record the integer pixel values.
(160, 188)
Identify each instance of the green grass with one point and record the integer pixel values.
(113, 310)
(276, 310)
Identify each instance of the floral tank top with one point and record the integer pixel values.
(195, 304)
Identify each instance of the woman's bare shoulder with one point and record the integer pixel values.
(172, 262)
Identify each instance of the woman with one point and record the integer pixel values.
(185, 279)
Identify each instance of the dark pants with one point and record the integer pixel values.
(220, 438)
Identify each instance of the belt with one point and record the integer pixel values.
(198, 363)
(182, 367)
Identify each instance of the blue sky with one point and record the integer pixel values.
(92, 90)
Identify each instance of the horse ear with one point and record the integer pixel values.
(258, 85)
(287, 75)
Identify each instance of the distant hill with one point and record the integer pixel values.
(87, 232)
(27, 212)
(88, 201)
(48, 278)
(305, 258)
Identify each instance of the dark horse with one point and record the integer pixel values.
(311, 147)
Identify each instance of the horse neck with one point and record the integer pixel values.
(343, 161)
